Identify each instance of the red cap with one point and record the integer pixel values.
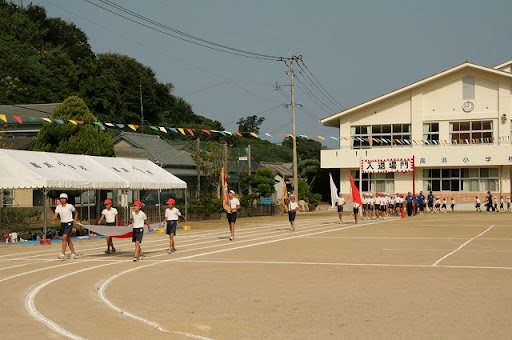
(171, 201)
(138, 203)
(107, 202)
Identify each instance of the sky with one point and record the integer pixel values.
(356, 50)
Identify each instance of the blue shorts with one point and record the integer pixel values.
(137, 234)
(66, 228)
(291, 216)
(340, 208)
(171, 227)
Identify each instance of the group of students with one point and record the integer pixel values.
(492, 203)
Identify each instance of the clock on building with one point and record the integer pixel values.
(468, 106)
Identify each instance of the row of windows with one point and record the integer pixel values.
(465, 179)
(364, 136)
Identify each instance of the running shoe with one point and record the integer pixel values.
(113, 249)
(107, 251)
(231, 238)
(62, 257)
(141, 257)
(135, 259)
(73, 256)
(173, 250)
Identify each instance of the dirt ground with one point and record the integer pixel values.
(443, 276)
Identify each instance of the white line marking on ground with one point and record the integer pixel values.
(340, 264)
(461, 246)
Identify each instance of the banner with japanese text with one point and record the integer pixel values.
(387, 165)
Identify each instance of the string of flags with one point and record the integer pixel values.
(194, 131)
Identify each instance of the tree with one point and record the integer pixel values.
(306, 148)
(210, 163)
(263, 181)
(250, 124)
(308, 170)
(87, 139)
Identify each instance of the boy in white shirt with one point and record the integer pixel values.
(172, 214)
(437, 205)
(453, 205)
(443, 207)
(65, 211)
(234, 205)
(340, 202)
(293, 207)
(111, 218)
(477, 204)
(508, 203)
(139, 219)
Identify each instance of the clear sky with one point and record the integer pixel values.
(357, 50)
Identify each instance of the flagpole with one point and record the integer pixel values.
(360, 175)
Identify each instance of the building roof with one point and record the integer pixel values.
(29, 110)
(502, 65)
(281, 169)
(156, 148)
(334, 119)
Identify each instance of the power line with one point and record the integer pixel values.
(323, 93)
(314, 97)
(307, 68)
(147, 22)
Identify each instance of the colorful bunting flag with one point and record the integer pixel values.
(181, 130)
(254, 134)
(163, 129)
(97, 123)
(47, 120)
(173, 130)
(322, 138)
(152, 127)
(80, 122)
(18, 118)
(3, 117)
(121, 126)
(238, 134)
(60, 121)
(269, 135)
(31, 118)
(73, 121)
(206, 131)
(190, 131)
(109, 124)
(131, 126)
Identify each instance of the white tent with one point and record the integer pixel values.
(46, 170)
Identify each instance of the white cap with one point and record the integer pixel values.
(233, 191)
(63, 195)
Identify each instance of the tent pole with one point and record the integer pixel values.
(89, 209)
(45, 213)
(186, 202)
(159, 206)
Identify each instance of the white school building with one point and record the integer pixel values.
(456, 124)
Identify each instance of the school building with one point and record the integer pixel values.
(456, 124)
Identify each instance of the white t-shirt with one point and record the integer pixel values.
(340, 201)
(292, 206)
(65, 212)
(138, 219)
(478, 200)
(110, 215)
(172, 214)
(234, 203)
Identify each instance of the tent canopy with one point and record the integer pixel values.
(46, 170)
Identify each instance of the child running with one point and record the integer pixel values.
(111, 218)
(139, 219)
(172, 214)
(477, 204)
(234, 205)
(443, 207)
(293, 207)
(452, 206)
(437, 205)
(502, 204)
(65, 211)
(508, 203)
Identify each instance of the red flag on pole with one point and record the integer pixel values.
(356, 196)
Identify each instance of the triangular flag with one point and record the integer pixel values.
(238, 134)
(190, 131)
(98, 123)
(228, 133)
(221, 132)
(163, 129)
(356, 196)
(60, 121)
(181, 130)
(31, 118)
(47, 120)
(80, 122)
(284, 135)
(334, 138)
(109, 124)
(268, 134)
(3, 117)
(254, 134)
(173, 130)
(152, 127)
(18, 118)
(206, 131)
(73, 121)
(322, 138)
(121, 126)
(131, 126)
(314, 137)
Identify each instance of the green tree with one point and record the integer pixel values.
(306, 148)
(263, 181)
(306, 194)
(308, 170)
(250, 124)
(85, 139)
(209, 163)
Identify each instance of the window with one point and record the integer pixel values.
(7, 197)
(465, 179)
(375, 182)
(360, 136)
(468, 88)
(431, 131)
(379, 135)
(473, 132)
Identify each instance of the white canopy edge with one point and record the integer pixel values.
(46, 170)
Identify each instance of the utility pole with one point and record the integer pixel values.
(198, 187)
(291, 59)
(141, 106)
(249, 166)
